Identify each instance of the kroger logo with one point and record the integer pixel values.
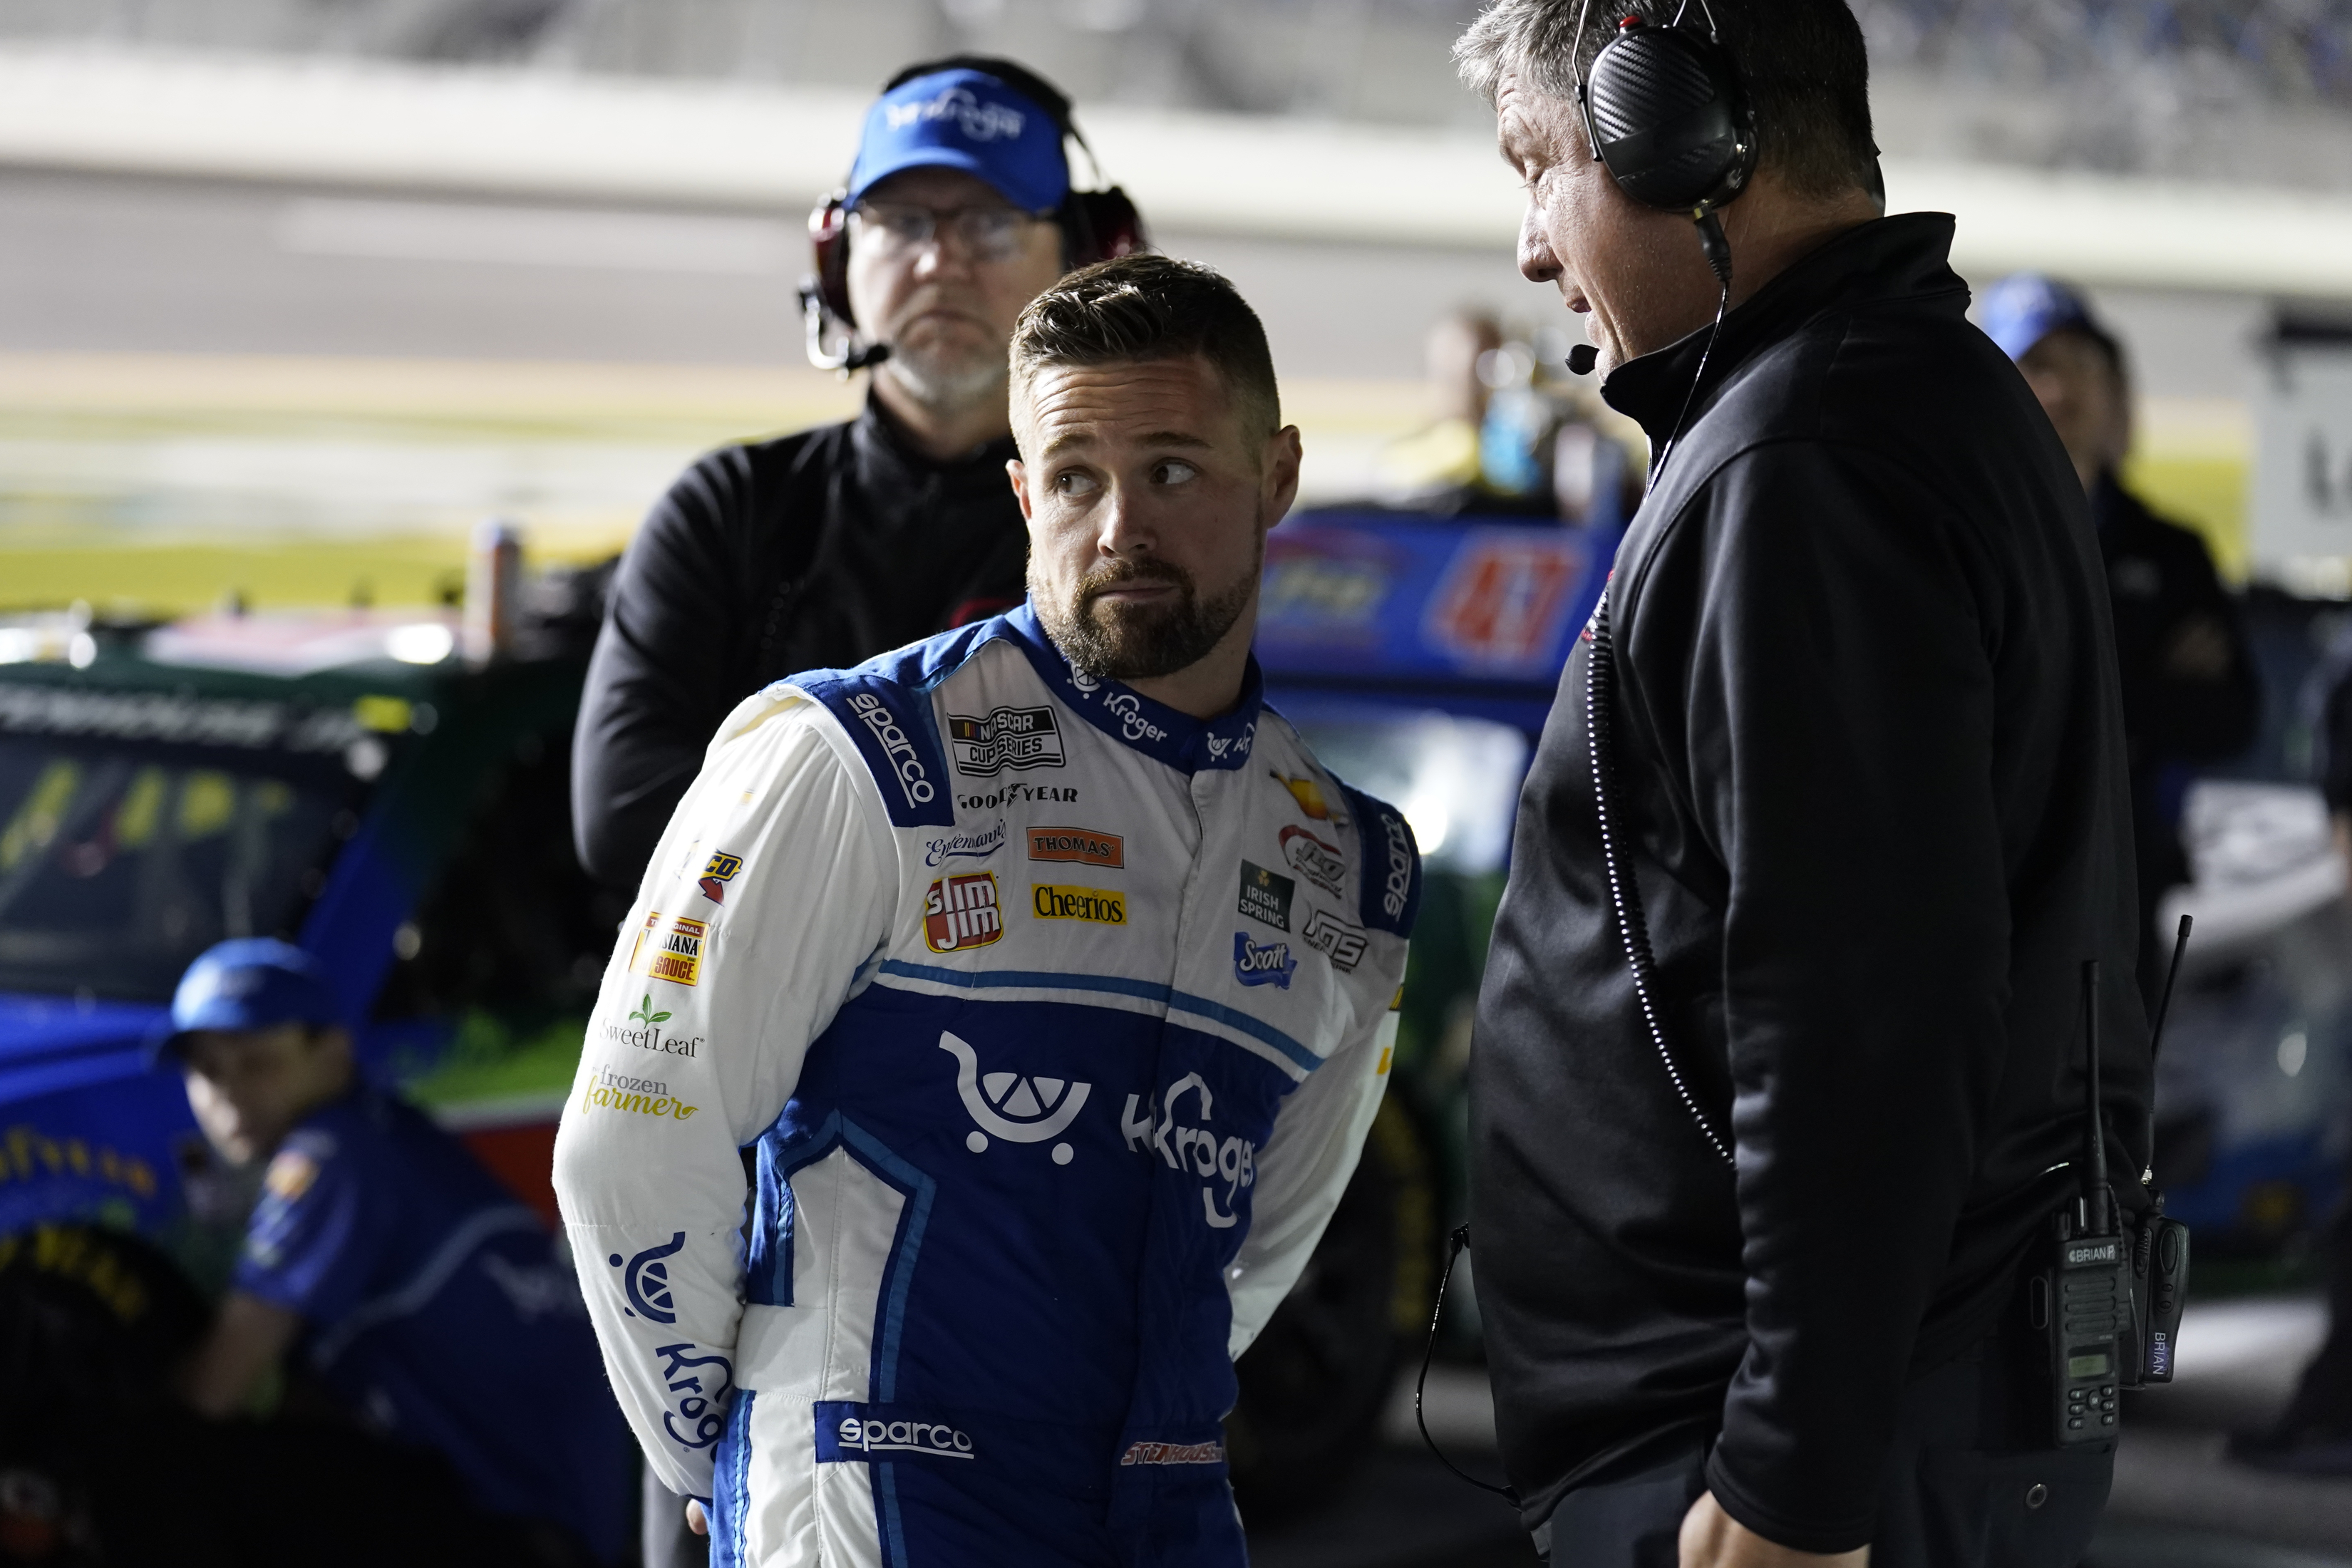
(979, 122)
(1239, 745)
(645, 1278)
(701, 1396)
(912, 780)
(1266, 964)
(1154, 1129)
(1017, 1109)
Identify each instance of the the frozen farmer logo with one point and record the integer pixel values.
(1270, 965)
(1081, 845)
(718, 874)
(610, 1090)
(1265, 896)
(644, 1281)
(962, 912)
(1312, 859)
(1006, 738)
(670, 948)
(1334, 938)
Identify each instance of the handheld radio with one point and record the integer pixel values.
(2160, 1247)
(2082, 1301)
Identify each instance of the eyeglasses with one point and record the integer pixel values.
(991, 233)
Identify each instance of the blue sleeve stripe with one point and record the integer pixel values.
(1112, 984)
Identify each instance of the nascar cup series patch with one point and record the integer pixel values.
(1004, 738)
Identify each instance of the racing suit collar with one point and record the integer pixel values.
(1188, 744)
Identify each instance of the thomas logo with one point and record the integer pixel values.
(962, 912)
(645, 1279)
(1268, 965)
(1081, 845)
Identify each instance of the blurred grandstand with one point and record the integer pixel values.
(2254, 90)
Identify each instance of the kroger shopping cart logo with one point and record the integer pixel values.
(644, 1281)
(962, 912)
(1011, 1106)
(1335, 939)
(857, 1433)
(913, 782)
(716, 874)
(699, 1387)
(1267, 963)
(1005, 738)
(1319, 862)
(1158, 1127)
(1236, 746)
(962, 108)
(974, 845)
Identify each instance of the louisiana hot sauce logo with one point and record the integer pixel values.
(962, 912)
(670, 948)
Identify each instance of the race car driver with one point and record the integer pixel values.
(827, 547)
(1053, 978)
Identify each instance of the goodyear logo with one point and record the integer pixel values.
(1083, 845)
(962, 912)
(1096, 904)
(671, 950)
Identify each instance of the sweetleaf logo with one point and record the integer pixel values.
(645, 1015)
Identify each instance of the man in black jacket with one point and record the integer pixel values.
(1751, 1278)
(2190, 690)
(823, 549)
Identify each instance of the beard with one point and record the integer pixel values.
(947, 374)
(1131, 642)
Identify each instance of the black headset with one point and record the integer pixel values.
(1096, 224)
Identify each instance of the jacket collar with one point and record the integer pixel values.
(1889, 258)
(1185, 743)
(886, 457)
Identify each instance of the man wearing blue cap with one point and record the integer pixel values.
(826, 548)
(431, 1305)
(2190, 691)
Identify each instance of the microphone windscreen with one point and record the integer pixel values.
(1581, 359)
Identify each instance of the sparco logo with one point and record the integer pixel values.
(1399, 886)
(1153, 1128)
(894, 743)
(855, 1434)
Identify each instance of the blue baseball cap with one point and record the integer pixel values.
(249, 982)
(2024, 308)
(964, 119)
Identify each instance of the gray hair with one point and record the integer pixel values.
(1802, 62)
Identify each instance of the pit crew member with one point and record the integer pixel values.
(429, 1303)
(830, 546)
(1053, 978)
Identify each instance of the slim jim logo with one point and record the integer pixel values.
(963, 912)
(1082, 845)
(673, 952)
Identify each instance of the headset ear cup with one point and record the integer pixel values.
(829, 242)
(1102, 225)
(1669, 120)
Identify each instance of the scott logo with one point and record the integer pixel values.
(1016, 1109)
(1196, 1150)
(645, 1278)
(702, 1395)
(912, 780)
(1270, 965)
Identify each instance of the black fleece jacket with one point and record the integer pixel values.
(816, 551)
(1872, 775)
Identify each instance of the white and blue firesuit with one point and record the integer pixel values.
(1057, 1019)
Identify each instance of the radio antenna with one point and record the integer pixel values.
(2156, 1038)
(2096, 1197)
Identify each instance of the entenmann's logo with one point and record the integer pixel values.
(973, 845)
(912, 780)
(1064, 903)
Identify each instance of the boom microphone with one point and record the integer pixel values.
(1582, 358)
